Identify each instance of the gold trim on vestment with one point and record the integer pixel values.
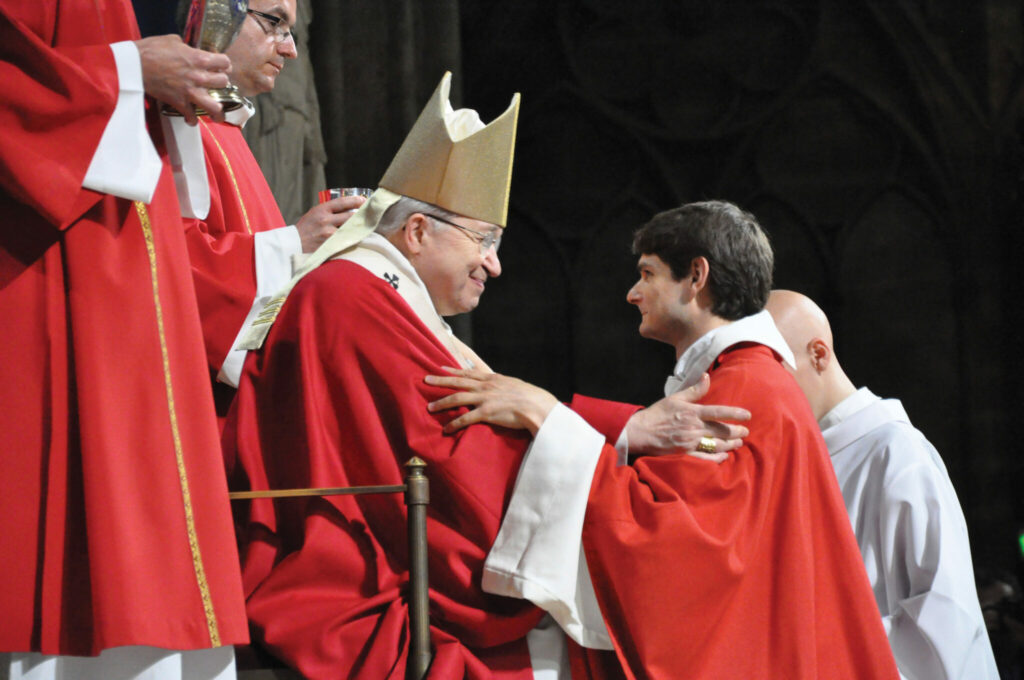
(190, 524)
(231, 173)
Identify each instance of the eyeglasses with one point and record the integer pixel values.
(278, 29)
(491, 239)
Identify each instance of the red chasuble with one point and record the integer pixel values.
(341, 400)
(747, 569)
(115, 528)
(221, 247)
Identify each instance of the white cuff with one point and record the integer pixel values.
(274, 250)
(538, 554)
(126, 163)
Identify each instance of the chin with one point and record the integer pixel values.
(454, 310)
(468, 306)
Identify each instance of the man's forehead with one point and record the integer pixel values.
(650, 260)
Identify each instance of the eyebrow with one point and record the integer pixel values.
(279, 12)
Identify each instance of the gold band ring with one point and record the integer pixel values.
(707, 445)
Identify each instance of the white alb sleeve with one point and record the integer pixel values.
(126, 163)
(274, 251)
(538, 554)
(936, 628)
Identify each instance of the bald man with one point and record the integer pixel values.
(905, 513)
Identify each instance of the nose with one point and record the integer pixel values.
(286, 48)
(632, 295)
(491, 263)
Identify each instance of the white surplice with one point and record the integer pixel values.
(913, 537)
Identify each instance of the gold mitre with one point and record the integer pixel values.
(449, 159)
(452, 160)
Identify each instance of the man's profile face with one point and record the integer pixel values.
(660, 299)
(452, 267)
(256, 57)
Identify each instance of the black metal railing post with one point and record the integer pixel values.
(417, 496)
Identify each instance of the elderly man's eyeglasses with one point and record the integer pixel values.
(277, 27)
(491, 239)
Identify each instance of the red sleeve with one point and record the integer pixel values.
(224, 274)
(340, 385)
(57, 102)
(607, 417)
(222, 246)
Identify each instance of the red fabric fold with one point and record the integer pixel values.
(747, 569)
(336, 397)
(104, 381)
(221, 247)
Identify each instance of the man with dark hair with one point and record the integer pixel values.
(743, 569)
(733, 244)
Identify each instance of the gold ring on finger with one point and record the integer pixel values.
(707, 445)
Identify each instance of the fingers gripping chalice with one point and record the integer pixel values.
(212, 25)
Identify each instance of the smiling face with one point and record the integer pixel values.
(450, 263)
(661, 300)
(256, 58)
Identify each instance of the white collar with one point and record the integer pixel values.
(862, 413)
(857, 401)
(699, 356)
(382, 245)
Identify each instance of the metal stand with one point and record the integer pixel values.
(417, 497)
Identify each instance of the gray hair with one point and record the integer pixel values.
(398, 213)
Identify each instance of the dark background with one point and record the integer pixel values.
(878, 141)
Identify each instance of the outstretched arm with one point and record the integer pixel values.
(323, 219)
(492, 398)
(674, 424)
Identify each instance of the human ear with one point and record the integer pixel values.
(415, 232)
(820, 354)
(699, 270)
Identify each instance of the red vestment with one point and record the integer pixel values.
(336, 397)
(746, 569)
(115, 528)
(222, 246)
